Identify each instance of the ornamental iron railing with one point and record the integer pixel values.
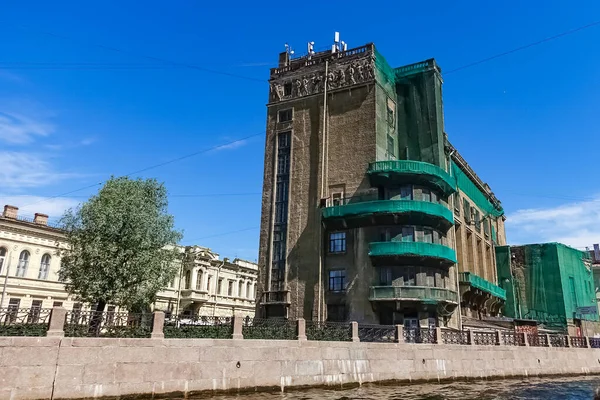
(271, 328)
(455, 337)
(594, 342)
(205, 327)
(558, 341)
(376, 333)
(578, 341)
(513, 338)
(329, 331)
(485, 338)
(537, 340)
(108, 324)
(24, 321)
(419, 335)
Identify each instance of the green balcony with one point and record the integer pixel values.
(413, 252)
(384, 212)
(414, 172)
(424, 294)
(477, 282)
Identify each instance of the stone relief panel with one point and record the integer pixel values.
(339, 76)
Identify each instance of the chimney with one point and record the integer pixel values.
(10, 211)
(41, 219)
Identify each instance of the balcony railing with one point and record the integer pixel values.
(481, 284)
(414, 172)
(412, 293)
(417, 210)
(276, 297)
(412, 249)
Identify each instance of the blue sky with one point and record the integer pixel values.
(82, 97)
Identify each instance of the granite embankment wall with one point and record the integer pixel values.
(60, 368)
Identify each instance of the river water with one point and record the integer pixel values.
(546, 389)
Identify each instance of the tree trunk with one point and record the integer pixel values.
(97, 317)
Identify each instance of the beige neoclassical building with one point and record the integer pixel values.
(29, 265)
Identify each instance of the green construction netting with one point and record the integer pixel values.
(467, 186)
(386, 73)
(550, 281)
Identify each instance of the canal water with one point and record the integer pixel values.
(546, 389)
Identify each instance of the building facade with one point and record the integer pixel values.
(360, 184)
(552, 284)
(208, 286)
(29, 266)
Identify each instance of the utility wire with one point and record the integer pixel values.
(225, 233)
(151, 167)
(548, 39)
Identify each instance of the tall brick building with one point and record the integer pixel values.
(357, 210)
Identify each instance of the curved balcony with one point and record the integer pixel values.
(389, 212)
(415, 172)
(411, 253)
(423, 294)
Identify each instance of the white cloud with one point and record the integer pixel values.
(29, 205)
(576, 224)
(17, 128)
(27, 170)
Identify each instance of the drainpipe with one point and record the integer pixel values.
(454, 239)
(217, 287)
(6, 277)
(323, 177)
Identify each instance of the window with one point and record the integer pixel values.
(337, 199)
(573, 292)
(23, 263)
(76, 313)
(336, 312)
(390, 147)
(199, 280)
(208, 283)
(337, 280)
(437, 237)
(486, 227)
(229, 288)
(188, 279)
(425, 194)
(385, 276)
(284, 115)
(457, 204)
(13, 309)
(409, 276)
(44, 267)
(427, 235)
(248, 292)
(466, 210)
(2, 257)
(34, 311)
(477, 221)
(434, 197)
(408, 234)
(57, 304)
(406, 192)
(220, 286)
(110, 315)
(240, 288)
(287, 89)
(279, 250)
(337, 242)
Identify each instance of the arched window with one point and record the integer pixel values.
(188, 279)
(23, 264)
(248, 292)
(2, 257)
(199, 280)
(44, 267)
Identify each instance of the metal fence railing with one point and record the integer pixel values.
(419, 335)
(329, 331)
(455, 337)
(376, 333)
(485, 338)
(207, 327)
(594, 343)
(558, 341)
(24, 321)
(274, 329)
(577, 341)
(108, 324)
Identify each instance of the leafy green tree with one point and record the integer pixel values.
(120, 245)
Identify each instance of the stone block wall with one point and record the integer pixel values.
(44, 368)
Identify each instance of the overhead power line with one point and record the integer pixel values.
(225, 233)
(150, 167)
(536, 43)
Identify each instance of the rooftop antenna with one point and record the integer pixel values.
(338, 45)
(310, 47)
(288, 49)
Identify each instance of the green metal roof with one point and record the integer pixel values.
(416, 249)
(418, 170)
(481, 284)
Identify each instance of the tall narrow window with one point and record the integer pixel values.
(408, 234)
(248, 292)
(337, 242)
(188, 279)
(240, 287)
(13, 309)
(573, 292)
(391, 154)
(2, 257)
(220, 286)
(199, 280)
(229, 288)
(466, 210)
(425, 194)
(34, 311)
(406, 192)
(76, 313)
(44, 267)
(337, 280)
(208, 283)
(279, 249)
(23, 264)
(427, 235)
(385, 276)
